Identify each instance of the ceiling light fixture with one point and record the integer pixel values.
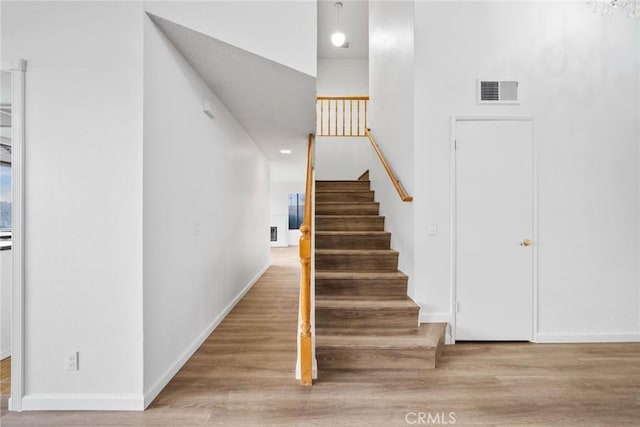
(338, 38)
(285, 151)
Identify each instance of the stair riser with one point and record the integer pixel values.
(347, 209)
(367, 331)
(375, 359)
(373, 223)
(360, 196)
(353, 262)
(381, 241)
(342, 185)
(396, 289)
(366, 319)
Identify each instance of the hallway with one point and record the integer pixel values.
(243, 375)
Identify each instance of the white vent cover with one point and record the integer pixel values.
(498, 92)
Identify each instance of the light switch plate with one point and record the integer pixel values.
(432, 229)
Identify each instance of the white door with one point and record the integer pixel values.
(494, 230)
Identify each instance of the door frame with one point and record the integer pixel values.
(454, 215)
(17, 67)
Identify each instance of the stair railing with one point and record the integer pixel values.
(342, 116)
(306, 339)
(396, 182)
(346, 116)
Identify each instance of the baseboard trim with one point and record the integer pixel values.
(439, 318)
(587, 338)
(436, 318)
(5, 353)
(150, 395)
(448, 338)
(83, 402)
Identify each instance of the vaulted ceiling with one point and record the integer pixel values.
(274, 103)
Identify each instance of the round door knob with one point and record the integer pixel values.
(526, 242)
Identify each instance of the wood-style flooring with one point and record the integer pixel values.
(5, 376)
(243, 376)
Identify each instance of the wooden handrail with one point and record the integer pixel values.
(347, 97)
(396, 183)
(306, 364)
(341, 116)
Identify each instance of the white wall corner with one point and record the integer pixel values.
(151, 394)
(448, 339)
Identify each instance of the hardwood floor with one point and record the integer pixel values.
(243, 375)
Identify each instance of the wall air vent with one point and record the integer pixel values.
(498, 92)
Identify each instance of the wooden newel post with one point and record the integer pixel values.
(306, 364)
(305, 306)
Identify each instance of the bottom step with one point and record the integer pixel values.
(401, 352)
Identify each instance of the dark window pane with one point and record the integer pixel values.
(296, 210)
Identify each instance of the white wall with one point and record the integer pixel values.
(279, 30)
(84, 281)
(5, 303)
(342, 158)
(391, 118)
(579, 78)
(343, 77)
(206, 224)
(83, 286)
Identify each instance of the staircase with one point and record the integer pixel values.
(364, 318)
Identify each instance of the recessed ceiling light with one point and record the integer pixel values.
(285, 151)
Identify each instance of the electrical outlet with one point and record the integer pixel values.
(71, 361)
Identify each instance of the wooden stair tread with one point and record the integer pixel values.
(360, 275)
(346, 216)
(367, 304)
(334, 181)
(348, 208)
(352, 233)
(349, 222)
(368, 342)
(368, 206)
(355, 251)
(341, 191)
(428, 337)
(347, 203)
